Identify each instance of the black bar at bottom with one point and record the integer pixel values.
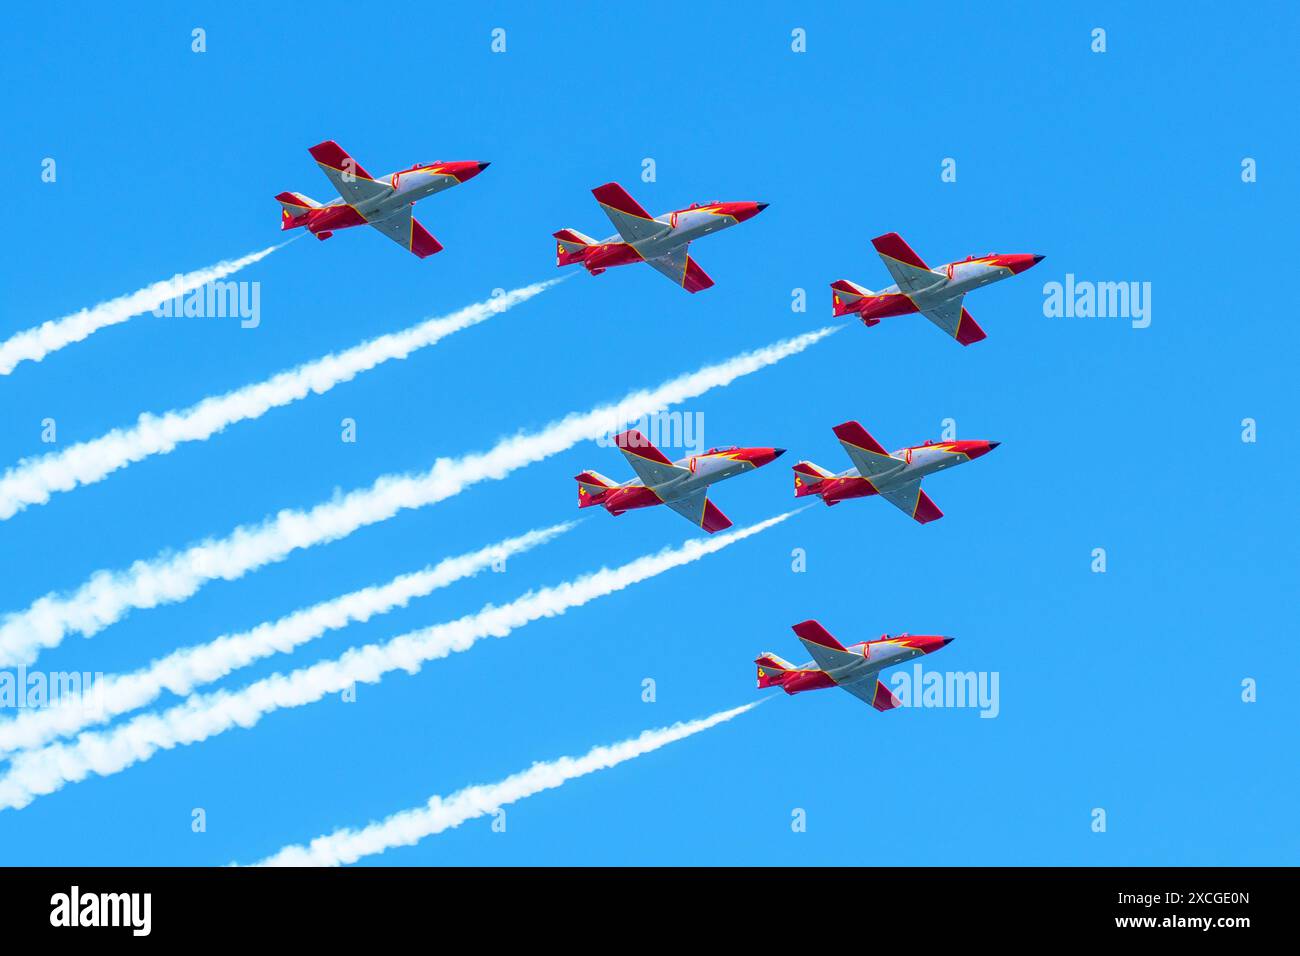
(211, 905)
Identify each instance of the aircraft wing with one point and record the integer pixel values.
(953, 318)
(867, 455)
(907, 268)
(827, 653)
(874, 692)
(405, 230)
(354, 184)
(650, 464)
(830, 655)
(681, 268)
(911, 499)
(701, 510)
(632, 222)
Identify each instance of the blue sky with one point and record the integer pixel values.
(1119, 690)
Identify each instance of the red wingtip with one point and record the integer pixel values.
(811, 630)
(714, 520)
(884, 698)
(926, 510)
(891, 244)
(855, 434)
(968, 331)
(695, 279)
(423, 244)
(616, 197)
(633, 441)
(330, 153)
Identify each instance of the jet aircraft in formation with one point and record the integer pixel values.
(681, 485)
(936, 293)
(854, 668)
(384, 203)
(895, 476)
(662, 242)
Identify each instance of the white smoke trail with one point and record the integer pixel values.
(446, 813)
(36, 772)
(109, 595)
(33, 345)
(34, 480)
(183, 670)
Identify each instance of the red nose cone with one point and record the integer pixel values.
(930, 643)
(973, 449)
(464, 171)
(762, 456)
(1020, 263)
(743, 210)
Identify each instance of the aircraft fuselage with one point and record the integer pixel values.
(915, 462)
(701, 471)
(678, 229)
(951, 282)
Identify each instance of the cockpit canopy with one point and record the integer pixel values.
(721, 448)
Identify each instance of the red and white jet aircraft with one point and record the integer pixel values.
(895, 476)
(681, 485)
(384, 203)
(660, 241)
(854, 668)
(936, 293)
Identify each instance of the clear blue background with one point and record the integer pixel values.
(1118, 690)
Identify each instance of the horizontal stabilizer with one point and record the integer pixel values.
(294, 208)
(845, 296)
(571, 246)
(591, 488)
(772, 670)
(808, 478)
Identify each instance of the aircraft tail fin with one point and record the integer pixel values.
(845, 296)
(809, 478)
(772, 670)
(571, 246)
(294, 208)
(592, 487)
